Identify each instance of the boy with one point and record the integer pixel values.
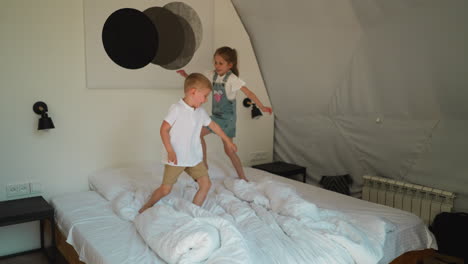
(180, 134)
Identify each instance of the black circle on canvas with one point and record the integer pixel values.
(188, 50)
(171, 34)
(130, 38)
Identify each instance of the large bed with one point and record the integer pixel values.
(270, 219)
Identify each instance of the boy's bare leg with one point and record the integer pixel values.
(236, 162)
(159, 193)
(204, 185)
(205, 131)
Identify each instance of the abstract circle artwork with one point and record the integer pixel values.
(130, 38)
(166, 36)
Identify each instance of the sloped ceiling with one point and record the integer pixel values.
(367, 86)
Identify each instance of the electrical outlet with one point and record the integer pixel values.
(258, 156)
(23, 188)
(12, 189)
(262, 155)
(35, 187)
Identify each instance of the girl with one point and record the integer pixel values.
(226, 83)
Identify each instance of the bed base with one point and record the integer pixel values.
(67, 251)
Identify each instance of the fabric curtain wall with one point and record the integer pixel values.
(367, 87)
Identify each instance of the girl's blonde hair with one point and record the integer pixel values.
(230, 56)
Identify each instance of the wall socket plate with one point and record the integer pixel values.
(24, 188)
(35, 187)
(11, 189)
(258, 156)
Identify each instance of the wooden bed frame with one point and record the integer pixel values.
(67, 251)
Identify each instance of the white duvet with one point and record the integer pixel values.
(181, 232)
(249, 222)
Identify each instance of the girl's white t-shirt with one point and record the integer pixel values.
(233, 83)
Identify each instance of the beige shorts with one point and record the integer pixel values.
(171, 173)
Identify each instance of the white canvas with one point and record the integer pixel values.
(102, 72)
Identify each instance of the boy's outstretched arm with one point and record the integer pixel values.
(217, 129)
(255, 99)
(166, 139)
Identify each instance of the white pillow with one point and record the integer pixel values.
(113, 181)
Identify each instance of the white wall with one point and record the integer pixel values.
(252, 135)
(42, 51)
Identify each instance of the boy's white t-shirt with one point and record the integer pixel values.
(233, 83)
(186, 125)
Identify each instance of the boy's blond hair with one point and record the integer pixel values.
(197, 81)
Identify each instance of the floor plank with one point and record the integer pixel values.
(32, 258)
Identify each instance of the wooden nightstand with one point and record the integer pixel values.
(28, 210)
(283, 169)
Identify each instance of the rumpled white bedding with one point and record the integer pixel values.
(98, 235)
(251, 222)
(363, 237)
(181, 232)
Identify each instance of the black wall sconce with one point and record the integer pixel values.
(256, 113)
(45, 122)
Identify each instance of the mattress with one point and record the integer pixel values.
(410, 232)
(96, 233)
(90, 224)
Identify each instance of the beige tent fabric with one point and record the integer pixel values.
(367, 87)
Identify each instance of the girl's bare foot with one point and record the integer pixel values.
(142, 209)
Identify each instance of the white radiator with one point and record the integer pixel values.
(422, 201)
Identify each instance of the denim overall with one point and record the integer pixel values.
(223, 109)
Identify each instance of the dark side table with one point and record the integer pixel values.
(27, 210)
(283, 169)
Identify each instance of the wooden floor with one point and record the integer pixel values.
(33, 258)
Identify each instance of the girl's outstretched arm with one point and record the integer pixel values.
(182, 73)
(255, 99)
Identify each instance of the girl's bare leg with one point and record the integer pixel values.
(159, 193)
(205, 131)
(236, 162)
(204, 185)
